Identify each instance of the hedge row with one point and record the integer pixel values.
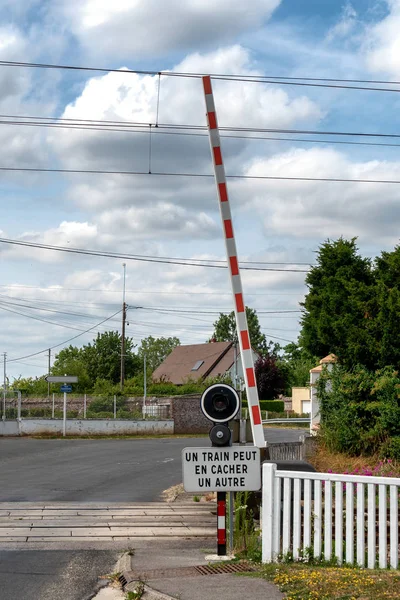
(270, 405)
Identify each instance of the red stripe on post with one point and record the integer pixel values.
(221, 508)
(212, 120)
(223, 192)
(221, 536)
(250, 377)
(228, 229)
(239, 302)
(245, 339)
(234, 265)
(256, 415)
(217, 155)
(207, 84)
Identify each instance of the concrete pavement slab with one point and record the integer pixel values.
(223, 587)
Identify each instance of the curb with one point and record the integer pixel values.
(148, 592)
(124, 563)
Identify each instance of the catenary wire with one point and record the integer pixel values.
(197, 175)
(138, 128)
(223, 77)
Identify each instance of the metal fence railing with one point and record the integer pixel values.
(80, 406)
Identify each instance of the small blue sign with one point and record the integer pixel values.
(66, 388)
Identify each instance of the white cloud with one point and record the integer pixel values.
(141, 27)
(382, 42)
(345, 25)
(131, 98)
(319, 210)
(163, 220)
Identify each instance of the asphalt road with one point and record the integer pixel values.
(83, 471)
(136, 470)
(90, 470)
(53, 574)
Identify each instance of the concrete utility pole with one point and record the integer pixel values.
(48, 383)
(124, 307)
(4, 386)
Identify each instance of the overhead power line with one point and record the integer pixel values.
(65, 341)
(308, 81)
(140, 258)
(197, 175)
(186, 130)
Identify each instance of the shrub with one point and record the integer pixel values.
(124, 414)
(360, 410)
(269, 405)
(100, 415)
(391, 448)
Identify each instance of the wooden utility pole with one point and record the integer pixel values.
(124, 307)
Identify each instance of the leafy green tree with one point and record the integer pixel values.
(30, 385)
(71, 361)
(297, 363)
(102, 358)
(225, 331)
(387, 271)
(156, 350)
(340, 307)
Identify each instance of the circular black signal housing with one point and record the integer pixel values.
(220, 403)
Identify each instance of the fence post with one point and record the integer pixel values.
(84, 406)
(115, 407)
(52, 410)
(19, 403)
(65, 415)
(267, 511)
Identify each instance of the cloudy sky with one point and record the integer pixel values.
(111, 119)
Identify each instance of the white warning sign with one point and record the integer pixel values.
(231, 469)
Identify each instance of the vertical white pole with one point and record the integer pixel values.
(144, 385)
(296, 519)
(339, 521)
(52, 409)
(19, 405)
(382, 527)
(394, 527)
(4, 387)
(115, 406)
(84, 406)
(350, 523)
(268, 505)
(371, 551)
(65, 415)
(231, 504)
(360, 525)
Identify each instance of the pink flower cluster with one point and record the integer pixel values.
(383, 469)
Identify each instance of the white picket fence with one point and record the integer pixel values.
(353, 518)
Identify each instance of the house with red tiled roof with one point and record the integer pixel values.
(197, 362)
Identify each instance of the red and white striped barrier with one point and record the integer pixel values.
(240, 312)
(221, 523)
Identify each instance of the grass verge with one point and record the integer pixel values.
(326, 461)
(313, 582)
